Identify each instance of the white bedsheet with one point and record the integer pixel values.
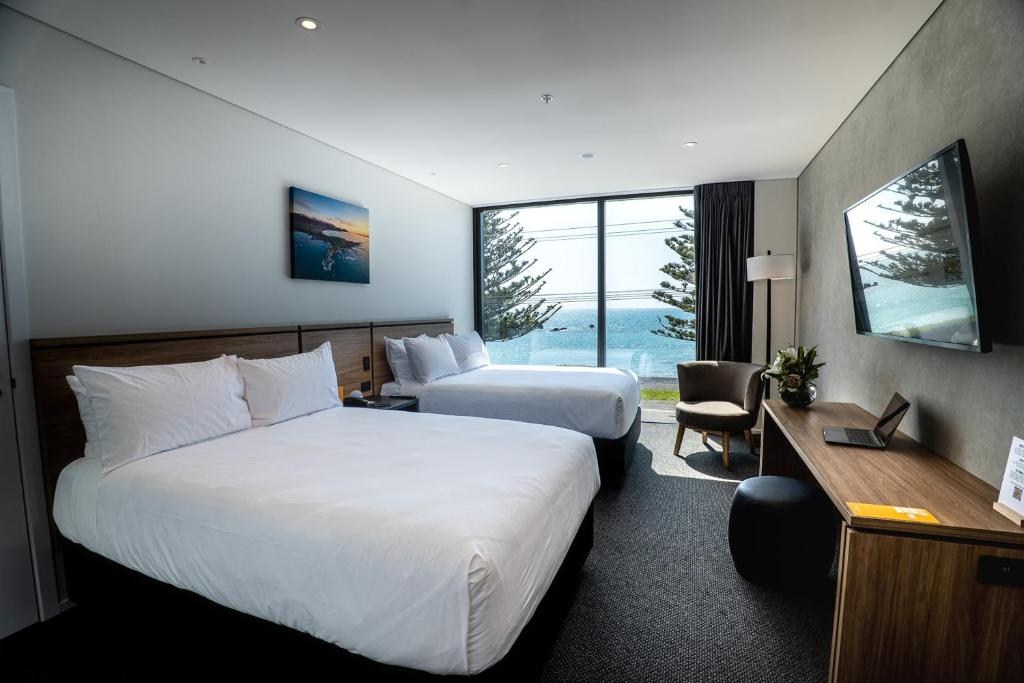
(420, 540)
(600, 402)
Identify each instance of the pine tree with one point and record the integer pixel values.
(925, 252)
(683, 293)
(510, 302)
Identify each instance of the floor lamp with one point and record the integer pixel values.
(770, 267)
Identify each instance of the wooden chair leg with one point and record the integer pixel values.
(704, 438)
(679, 439)
(750, 440)
(725, 449)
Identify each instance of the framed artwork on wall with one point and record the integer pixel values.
(330, 239)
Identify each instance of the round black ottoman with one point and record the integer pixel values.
(782, 533)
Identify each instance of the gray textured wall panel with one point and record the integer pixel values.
(962, 76)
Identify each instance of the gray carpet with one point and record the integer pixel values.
(660, 600)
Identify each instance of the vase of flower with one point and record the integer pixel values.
(795, 371)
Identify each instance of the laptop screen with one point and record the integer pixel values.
(891, 417)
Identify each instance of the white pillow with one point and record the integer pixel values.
(398, 359)
(469, 350)
(279, 389)
(430, 358)
(92, 437)
(144, 410)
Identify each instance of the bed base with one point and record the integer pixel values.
(614, 456)
(156, 622)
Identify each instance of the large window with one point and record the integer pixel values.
(603, 281)
(539, 289)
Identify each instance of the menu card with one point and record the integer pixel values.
(1011, 493)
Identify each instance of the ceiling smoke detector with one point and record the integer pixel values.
(587, 155)
(199, 60)
(546, 98)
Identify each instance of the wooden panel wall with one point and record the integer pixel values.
(351, 349)
(381, 369)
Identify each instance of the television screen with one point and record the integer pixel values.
(911, 259)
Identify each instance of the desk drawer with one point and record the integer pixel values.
(912, 609)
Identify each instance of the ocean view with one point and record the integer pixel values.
(570, 338)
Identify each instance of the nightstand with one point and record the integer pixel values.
(409, 404)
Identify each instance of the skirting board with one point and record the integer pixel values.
(1008, 513)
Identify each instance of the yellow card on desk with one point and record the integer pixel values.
(892, 512)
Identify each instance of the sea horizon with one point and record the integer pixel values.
(570, 338)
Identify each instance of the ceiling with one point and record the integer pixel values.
(441, 91)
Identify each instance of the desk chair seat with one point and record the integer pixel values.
(718, 396)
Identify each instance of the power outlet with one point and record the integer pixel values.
(1001, 571)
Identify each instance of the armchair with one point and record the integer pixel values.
(720, 397)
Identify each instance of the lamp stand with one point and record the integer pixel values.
(768, 333)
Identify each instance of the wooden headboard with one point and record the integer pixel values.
(350, 346)
(358, 350)
(61, 436)
(397, 330)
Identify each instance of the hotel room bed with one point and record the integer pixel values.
(599, 402)
(425, 541)
(603, 403)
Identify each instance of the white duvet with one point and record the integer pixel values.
(425, 541)
(600, 402)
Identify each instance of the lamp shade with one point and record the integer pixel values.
(771, 267)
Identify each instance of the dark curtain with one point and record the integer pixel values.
(724, 239)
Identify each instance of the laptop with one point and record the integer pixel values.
(878, 437)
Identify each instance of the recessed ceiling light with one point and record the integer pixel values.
(308, 23)
(504, 164)
(199, 60)
(432, 173)
(587, 155)
(691, 143)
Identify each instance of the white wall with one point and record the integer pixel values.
(149, 205)
(775, 204)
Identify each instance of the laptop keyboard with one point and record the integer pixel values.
(861, 437)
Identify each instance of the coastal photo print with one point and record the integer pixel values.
(330, 238)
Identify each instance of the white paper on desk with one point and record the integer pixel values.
(1011, 494)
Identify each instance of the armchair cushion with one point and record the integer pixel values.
(714, 416)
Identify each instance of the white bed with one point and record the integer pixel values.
(599, 402)
(425, 541)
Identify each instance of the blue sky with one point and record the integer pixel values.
(342, 214)
(635, 247)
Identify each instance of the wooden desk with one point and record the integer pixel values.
(909, 605)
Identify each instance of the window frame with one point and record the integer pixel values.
(599, 200)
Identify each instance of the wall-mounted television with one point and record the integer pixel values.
(914, 256)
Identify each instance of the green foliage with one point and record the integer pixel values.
(682, 293)
(659, 394)
(511, 307)
(794, 368)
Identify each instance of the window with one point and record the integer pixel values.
(601, 281)
(539, 289)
